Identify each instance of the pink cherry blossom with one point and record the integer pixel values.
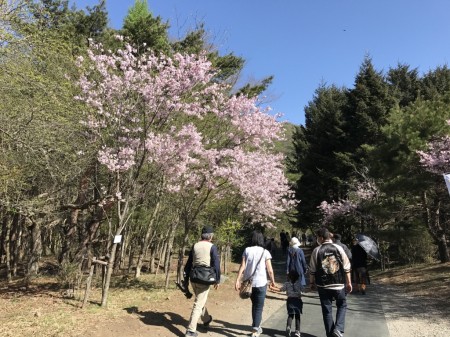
(166, 113)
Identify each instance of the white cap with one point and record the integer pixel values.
(294, 242)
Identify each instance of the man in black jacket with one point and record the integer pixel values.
(330, 275)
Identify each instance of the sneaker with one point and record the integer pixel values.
(288, 331)
(337, 333)
(206, 324)
(191, 334)
(297, 334)
(256, 333)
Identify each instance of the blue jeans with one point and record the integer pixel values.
(326, 301)
(258, 297)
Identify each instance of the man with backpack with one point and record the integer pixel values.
(330, 274)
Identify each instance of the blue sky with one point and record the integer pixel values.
(304, 43)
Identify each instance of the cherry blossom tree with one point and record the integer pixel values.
(165, 117)
(436, 158)
(360, 193)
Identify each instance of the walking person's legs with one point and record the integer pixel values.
(289, 324)
(326, 303)
(341, 308)
(199, 309)
(297, 323)
(362, 272)
(258, 297)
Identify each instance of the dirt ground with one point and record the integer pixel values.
(415, 301)
(169, 317)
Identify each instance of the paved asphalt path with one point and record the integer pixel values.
(364, 317)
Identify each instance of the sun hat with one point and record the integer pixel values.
(294, 242)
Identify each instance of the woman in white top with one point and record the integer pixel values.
(257, 260)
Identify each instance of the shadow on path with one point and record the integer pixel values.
(167, 320)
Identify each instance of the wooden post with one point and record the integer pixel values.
(89, 279)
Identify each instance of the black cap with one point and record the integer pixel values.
(207, 230)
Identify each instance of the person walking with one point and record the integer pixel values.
(296, 261)
(330, 274)
(359, 266)
(294, 303)
(337, 240)
(256, 261)
(203, 253)
(304, 239)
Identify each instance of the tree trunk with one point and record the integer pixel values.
(16, 250)
(7, 248)
(432, 214)
(109, 270)
(443, 248)
(180, 269)
(170, 240)
(4, 237)
(154, 252)
(36, 249)
(145, 243)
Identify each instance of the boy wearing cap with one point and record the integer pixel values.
(203, 253)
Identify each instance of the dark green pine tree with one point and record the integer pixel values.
(91, 23)
(50, 13)
(70, 24)
(435, 83)
(404, 84)
(140, 27)
(369, 103)
(318, 154)
(196, 41)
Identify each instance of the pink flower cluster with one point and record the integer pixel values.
(167, 113)
(437, 158)
(336, 208)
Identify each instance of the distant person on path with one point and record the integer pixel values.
(284, 241)
(337, 240)
(270, 245)
(359, 266)
(330, 274)
(310, 240)
(203, 253)
(256, 258)
(304, 239)
(296, 261)
(294, 303)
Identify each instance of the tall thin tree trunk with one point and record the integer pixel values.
(109, 270)
(36, 248)
(4, 237)
(180, 266)
(7, 247)
(146, 241)
(170, 240)
(435, 228)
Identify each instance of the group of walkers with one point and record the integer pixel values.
(329, 274)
